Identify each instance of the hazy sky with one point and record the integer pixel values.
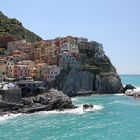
(114, 23)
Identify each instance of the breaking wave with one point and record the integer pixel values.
(78, 110)
(8, 116)
(120, 94)
(137, 89)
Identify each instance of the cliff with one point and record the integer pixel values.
(95, 73)
(14, 28)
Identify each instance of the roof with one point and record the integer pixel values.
(41, 64)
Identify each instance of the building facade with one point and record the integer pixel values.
(52, 72)
(68, 61)
(21, 71)
(41, 70)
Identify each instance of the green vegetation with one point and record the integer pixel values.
(12, 27)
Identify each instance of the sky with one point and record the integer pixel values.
(114, 23)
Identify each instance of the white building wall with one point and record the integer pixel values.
(53, 71)
(10, 69)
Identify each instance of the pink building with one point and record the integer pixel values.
(22, 71)
(23, 68)
(29, 63)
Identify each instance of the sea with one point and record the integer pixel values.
(114, 117)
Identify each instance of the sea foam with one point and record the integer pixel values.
(8, 116)
(120, 94)
(137, 89)
(78, 110)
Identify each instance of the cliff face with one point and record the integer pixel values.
(96, 73)
(14, 28)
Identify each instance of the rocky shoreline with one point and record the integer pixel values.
(52, 100)
(135, 94)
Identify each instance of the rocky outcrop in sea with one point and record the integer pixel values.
(52, 100)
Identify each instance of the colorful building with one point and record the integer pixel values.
(21, 71)
(10, 68)
(71, 47)
(52, 72)
(39, 52)
(33, 72)
(52, 55)
(24, 69)
(3, 67)
(41, 70)
(28, 63)
(18, 57)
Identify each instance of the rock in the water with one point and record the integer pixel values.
(129, 87)
(87, 106)
(135, 94)
(52, 100)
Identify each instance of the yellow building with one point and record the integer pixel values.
(2, 68)
(33, 72)
(39, 52)
(41, 70)
(52, 54)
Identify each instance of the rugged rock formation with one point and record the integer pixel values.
(108, 83)
(75, 81)
(128, 87)
(96, 73)
(52, 100)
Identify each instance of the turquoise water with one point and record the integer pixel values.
(131, 79)
(116, 118)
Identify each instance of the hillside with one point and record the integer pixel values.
(14, 28)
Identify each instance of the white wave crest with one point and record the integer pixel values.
(137, 89)
(120, 94)
(74, 99)
(78, 110)
(8, 116)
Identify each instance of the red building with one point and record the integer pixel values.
(4, 40)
